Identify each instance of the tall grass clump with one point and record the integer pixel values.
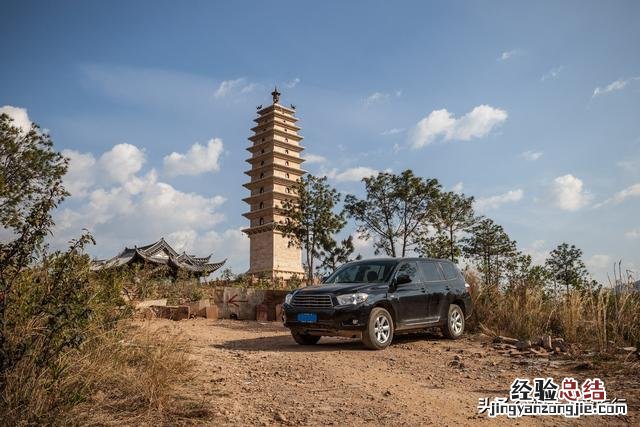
(61, 325)
(593, 317)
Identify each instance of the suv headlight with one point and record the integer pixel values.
(287, 298)
(352, 298)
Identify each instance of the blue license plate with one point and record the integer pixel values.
(307, 317)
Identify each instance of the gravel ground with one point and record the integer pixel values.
(249, 373)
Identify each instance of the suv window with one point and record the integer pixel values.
(430, 271)
(411, 270)
(450, 270)
(363, 272)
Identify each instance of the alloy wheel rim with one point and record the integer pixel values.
(382, 329)
(456, 322)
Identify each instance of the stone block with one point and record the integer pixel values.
(278, 313)
(262, 313)
(172, 312)
(198, 308)
(211, 312)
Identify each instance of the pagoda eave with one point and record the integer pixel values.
(286, 145)
(276, 107)
(277, 195)
(281, 168)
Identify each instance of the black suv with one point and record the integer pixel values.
(373, 299)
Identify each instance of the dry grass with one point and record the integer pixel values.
(124, 376)
(598, 319)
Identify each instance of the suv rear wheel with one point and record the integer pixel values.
(455, 323)
(379, 332)
(305, 339)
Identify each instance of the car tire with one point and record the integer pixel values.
(454, 328)
(379, 332)
(305, 339)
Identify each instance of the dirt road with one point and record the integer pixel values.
(249, 373)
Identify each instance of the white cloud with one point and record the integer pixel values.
(118, 165)
(376, 98)
(441, 124)
(230, 86)
(633, 234)
(81, 173)
(381, 97)
(121, 162)
(613, 86)
(352, 174)
(392, 131)
(457, 188)
(293, 83)
(552, 74)
(19, 115)
(631, 191)
(568, 193)
(532, 156)
(198, 159)
(130, 208)
(598, 261)
(622, 195)
(509, 54)
(313, 158)
(494, 202)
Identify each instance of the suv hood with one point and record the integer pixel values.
(340, 288)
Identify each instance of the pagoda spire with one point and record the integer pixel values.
(276, 95)
(276, 167)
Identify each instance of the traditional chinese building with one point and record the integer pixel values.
(275, 167)
(161, 253)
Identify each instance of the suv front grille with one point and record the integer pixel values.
(312, 301)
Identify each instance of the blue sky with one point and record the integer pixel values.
(531, 108)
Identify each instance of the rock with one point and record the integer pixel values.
(523, 345)
(457, 358)
(280, 417)
(504, 340)
(150, 302)
(387, 393)
(546, 342)
(559, 342)
(173, 312)
(539, 353)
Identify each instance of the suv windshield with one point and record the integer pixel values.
(363, 272)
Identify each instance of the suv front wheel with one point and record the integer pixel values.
(455, 323)
(305, 339)
(379, 332)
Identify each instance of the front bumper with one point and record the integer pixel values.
(340, 320)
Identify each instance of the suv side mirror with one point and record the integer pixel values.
(402, 279)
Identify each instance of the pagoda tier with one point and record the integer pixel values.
(275, 169)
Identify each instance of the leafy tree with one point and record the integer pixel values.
(521, 272)
(491, 248)
(450, 215)
(227, 275)
(311, 221)
(566, 267)
(333, 254)
(30, 187)
(393, 209)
